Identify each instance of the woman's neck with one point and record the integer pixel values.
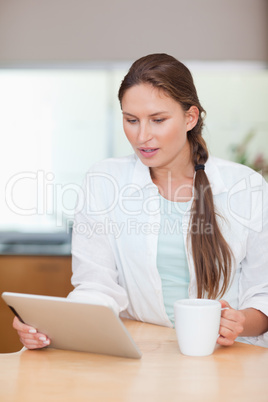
(174, 183)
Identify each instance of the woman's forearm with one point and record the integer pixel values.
(256, 322)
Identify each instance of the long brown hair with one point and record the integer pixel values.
(211, 253)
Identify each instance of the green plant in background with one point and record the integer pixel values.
(240, 154)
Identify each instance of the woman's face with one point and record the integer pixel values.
(156, 126)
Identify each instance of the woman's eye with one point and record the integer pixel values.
(158, 120)
(131, 121)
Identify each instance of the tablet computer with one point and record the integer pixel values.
(73, 325)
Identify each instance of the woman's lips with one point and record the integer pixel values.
(148, 152)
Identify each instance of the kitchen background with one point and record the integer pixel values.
(61, 63)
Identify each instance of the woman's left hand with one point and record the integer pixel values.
(231, 325)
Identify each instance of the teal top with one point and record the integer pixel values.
(171, 255)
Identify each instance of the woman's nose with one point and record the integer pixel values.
(145, 133)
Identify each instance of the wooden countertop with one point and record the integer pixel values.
(236, 373)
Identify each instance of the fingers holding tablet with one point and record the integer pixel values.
(29, 336)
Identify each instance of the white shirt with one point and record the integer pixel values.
(115, 236)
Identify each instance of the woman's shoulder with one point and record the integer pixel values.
(227, 164)
(114, 166)
(229, 169)
(234, 175)
(118, 171)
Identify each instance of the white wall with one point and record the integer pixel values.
(77, 31)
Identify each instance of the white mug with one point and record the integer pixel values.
(197, 323)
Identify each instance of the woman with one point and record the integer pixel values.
(170, 222)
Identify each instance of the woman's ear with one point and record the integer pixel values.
(192, 117)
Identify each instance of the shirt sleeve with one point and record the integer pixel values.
(253, 283)
(95, 276)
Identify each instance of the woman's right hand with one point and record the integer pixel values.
(29, 336)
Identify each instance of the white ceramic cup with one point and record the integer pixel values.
(197, 323)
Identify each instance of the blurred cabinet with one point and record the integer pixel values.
(45, 275)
